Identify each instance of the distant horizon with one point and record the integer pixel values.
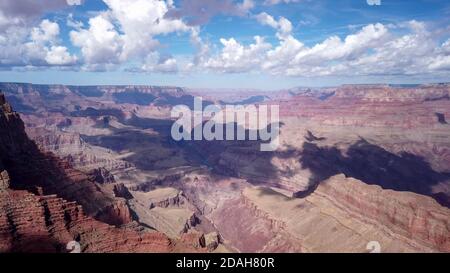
(217, 89)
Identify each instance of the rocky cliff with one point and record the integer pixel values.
(29, 168)
(43, 203)
(31, 223)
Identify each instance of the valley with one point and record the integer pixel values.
(355, 164)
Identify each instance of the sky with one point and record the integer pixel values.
(249, 44)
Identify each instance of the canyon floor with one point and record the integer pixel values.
(356, 164)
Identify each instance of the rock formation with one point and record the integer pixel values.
(30, 223)
(45, 222)
(24, 162)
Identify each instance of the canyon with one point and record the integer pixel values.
(97, 165)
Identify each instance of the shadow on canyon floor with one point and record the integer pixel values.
(148, 150)
(374, 166)
(363, 161)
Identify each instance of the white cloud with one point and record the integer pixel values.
(267, 19)
(125, 32)
(160, 64)
(354, 45)
(236, 57)
(43, 47)
(46, 32)
(22, 43)
(38, 46)
(373, 50)
(276, 60)
(283, 25)
(100, 44)
(58, 55)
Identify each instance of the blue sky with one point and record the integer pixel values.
(267, 44)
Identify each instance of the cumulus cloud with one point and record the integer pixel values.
(38, 46)
(24, 44)
(43, 47)
(236, 57)
(283, 25)
(101, 45)
(46, 32)
(158, 63)
(124, 32)
(373, 50)
(127, 33)
(59, 55)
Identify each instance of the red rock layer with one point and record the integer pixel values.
(374, 106)
(414, 216)
(29, 168)
(31, 223)
(47, 223)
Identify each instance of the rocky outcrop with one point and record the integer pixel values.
(69, 145)
(4, 180)
(25, 162)
(115, 214)
(167, 198)
(30, 223)
(120, 190)
(102, 176)
(4, 176)
(164, 209)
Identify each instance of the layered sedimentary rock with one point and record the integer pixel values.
(366, 163)
(415, 217)
(25, 162)
(375, 106)
(71, 147)
(48, 223)
(163, 209)
(342, 215)
(30, 223)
